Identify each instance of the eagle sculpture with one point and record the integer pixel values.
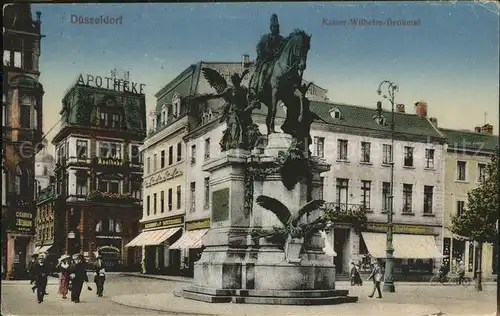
(217, 81)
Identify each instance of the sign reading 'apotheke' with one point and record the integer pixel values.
(111, 83)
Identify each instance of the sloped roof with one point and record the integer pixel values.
(358, 117)
(470, 140)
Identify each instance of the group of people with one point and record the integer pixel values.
(72, 275)
(376, 275)
(460, 271)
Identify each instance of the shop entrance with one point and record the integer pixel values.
(340, 240)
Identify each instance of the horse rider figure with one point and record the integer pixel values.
(267, 51)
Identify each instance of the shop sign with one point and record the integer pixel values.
(118, 85)
(200, 224)
(104, 248)
(108, 237)
(402, 229)
(164, 223)
(24, 221)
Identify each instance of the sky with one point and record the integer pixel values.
(450, 59)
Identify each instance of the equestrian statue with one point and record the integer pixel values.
(280, 65)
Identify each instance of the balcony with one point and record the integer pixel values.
(107, 197)
(354, 214)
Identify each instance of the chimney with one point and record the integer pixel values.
(487, 129)
(434, 121)
(477, 129)
(400, 108)
(421, 109)
(245, 61)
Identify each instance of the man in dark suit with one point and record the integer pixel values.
(78, 276)
(39, 274)
(376, 275)
(99, 276)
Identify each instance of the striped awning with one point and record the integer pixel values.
(405, 246)
(153, 237)
(191, 239)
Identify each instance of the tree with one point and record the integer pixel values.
(479, 220)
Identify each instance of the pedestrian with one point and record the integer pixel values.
(461, 272)
(357, 276)
(376, 275)
(33, 261)
(39, 274)
(64, 269)
(78, 275)
(99, 275)
(353, 273)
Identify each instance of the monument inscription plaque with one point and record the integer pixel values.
(220, 205)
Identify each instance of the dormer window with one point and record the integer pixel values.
(176, 104)
(164, 114)
(335, 114)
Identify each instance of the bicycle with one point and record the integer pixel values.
(449, 280)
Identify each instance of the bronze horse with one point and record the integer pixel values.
(284, 75)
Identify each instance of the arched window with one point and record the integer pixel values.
(114, 226)
(98, 227)
(45, 170)
(19, 177)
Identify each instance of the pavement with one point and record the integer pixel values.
(410, 299)
(137, 294)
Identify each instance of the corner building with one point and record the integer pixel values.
(99, 173)
(22, 107)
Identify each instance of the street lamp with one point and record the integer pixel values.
(392, 88)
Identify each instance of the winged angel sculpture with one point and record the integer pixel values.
(241, 132)
(292, 231)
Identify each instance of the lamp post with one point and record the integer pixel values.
(392, 88)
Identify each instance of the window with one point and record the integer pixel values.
(342, 149)
(428, 193)
(81, 148)
(319, 146)
(407, 195)
(148, 206)
(207, 148)
(45, 170)
(162, 201)
(116, 122)
(18, 181)
(342, 191)
(4, 187)
(111, 186)
(192, 188)
(170, 199)
(206, 199)
(408, 159)
(365, 152)
(136, 189)
(114, 226)
(136, 156)
(365, 194)
(155, 156)
(170, 155)
(6, 58)
(4, 113)
(103, 149)
(25, 108)
(179, 197)
(110, 150)
(387, 154)
(81, 185)
(162, 159)
(179, 152)
(460, 207)
(17, 59)
(154, 204)
(481, 172)
(335, 114)
(148, 166)
(193, 154)
(28, 60)
(386, 196)
(461, 170)
(103, 122)
(429, 158)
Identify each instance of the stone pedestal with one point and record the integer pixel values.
(235, 268)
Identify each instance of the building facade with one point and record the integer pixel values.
(468, 154)
(99, 171)
(44, 169)
(21, 134)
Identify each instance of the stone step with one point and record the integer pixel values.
(295, 300)
(267, 293)
(206, 298)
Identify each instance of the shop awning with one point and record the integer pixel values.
(42, 249)
(191, 239)
(153, 237)
(405, 246)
